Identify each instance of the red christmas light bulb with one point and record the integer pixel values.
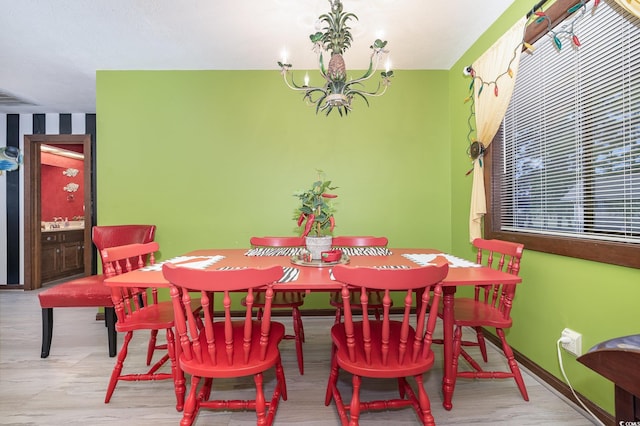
(576, 41)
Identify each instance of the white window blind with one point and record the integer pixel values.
(570, 158)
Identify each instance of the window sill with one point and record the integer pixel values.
(598, 251)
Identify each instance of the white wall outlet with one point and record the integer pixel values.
(574, 345)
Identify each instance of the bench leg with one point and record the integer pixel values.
(110, 320)
(47, 331)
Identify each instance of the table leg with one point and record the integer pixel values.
(448, 379)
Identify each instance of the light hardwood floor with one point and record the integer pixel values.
(68, 388)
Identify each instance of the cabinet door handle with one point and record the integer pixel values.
(49, 238)
(57, 250)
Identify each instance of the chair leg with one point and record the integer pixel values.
(152, 345)
(205, 390)
(47, 331)
(333, 378)
(401, 389)
(513, 365)
(178, 383)
(151, 348)
(191, 406)
(354, 408)
(338, 316)
(425, 404)
(334, 392)
(481, 343)
(280, 379)
(112, 335)
(261, 405)
(272, 406)
(117, 369)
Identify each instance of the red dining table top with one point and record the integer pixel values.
(317, 278)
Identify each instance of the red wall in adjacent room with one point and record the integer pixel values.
(55, 201)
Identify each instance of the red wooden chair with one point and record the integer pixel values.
(139, 309)
(215, 347)
(490, 307)
(375, 299)
(386, 348)
(105, 236)
(284, 299)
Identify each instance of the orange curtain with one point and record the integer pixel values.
(490, 108)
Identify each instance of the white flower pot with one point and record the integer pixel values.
(317, 245)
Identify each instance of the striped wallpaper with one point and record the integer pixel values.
(13, 127)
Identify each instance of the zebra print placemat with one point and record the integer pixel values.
(195, 262)
(290, 273)
(293, 251)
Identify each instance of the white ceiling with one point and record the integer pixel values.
(50, 50)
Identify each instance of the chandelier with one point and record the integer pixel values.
(337, 92)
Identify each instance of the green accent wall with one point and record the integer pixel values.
(598, 300)
(213, 158)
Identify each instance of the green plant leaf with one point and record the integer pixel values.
(313, 203)
(316, 37)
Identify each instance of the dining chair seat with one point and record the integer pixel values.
(155, 316)
(80, 292)
(467, 313)
(393, 366)
(222, 367)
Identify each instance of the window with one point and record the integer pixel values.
(565, 165)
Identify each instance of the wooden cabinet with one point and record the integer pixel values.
(61, 254)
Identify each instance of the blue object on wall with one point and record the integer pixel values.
(10, 159)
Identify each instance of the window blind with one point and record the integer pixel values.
(570, 163)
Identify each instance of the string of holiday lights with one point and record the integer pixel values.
(582, 7)
(476, 148)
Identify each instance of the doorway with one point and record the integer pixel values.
(33, 206)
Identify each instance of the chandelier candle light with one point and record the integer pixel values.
(338, 92)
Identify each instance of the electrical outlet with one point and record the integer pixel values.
(574, 345)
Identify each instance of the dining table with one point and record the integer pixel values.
(314, 276)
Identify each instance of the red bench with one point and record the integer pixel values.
(79, 293)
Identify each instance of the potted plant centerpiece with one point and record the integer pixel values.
(315, 215)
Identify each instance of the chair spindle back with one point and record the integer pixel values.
(127, 300)
(503, 256)
(202, 337)
(371, 338)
